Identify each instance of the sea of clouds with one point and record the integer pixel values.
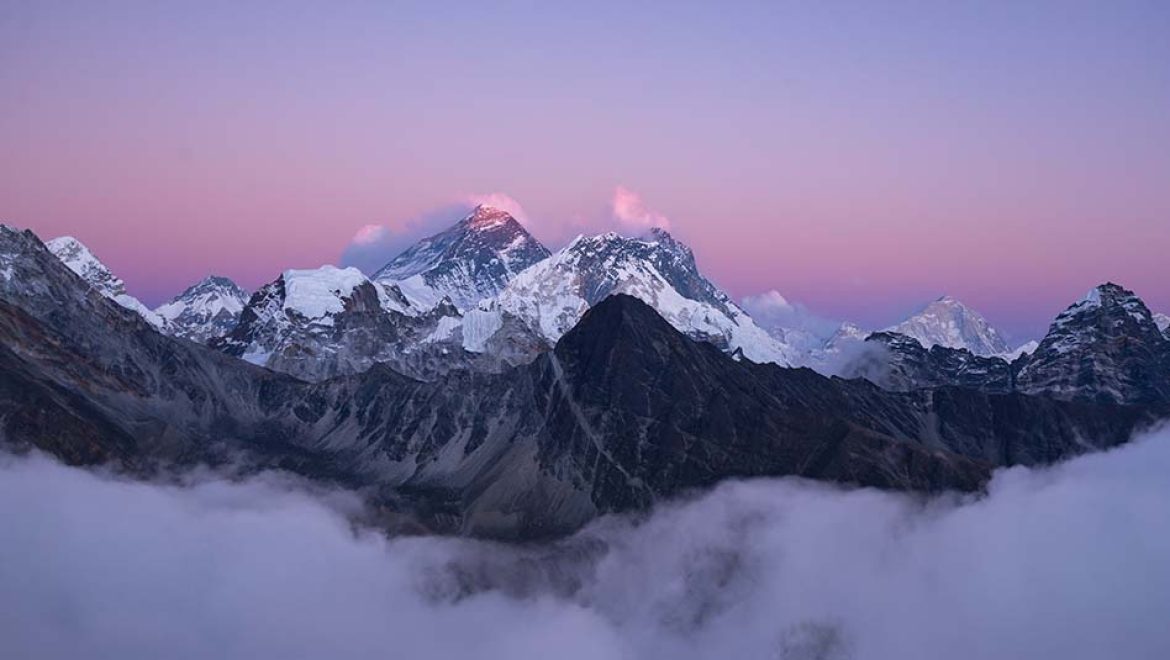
(1067, 562)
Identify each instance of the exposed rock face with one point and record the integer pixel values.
(1106, 346)
(908, 365)
(471, 261)
(624, 411)
(206, 310)
(949, 323)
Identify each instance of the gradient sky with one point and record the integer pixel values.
(860, 158)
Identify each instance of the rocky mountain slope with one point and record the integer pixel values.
(624, 411)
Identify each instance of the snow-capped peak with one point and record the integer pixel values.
(551, 296)
(470, 261)
(948, 322)
(74, 254)
(1104, 296)
(485, 216)
(207, 309)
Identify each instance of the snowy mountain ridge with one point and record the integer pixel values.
(74, 254)
(552, 295)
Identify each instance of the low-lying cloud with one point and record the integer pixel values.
(772, 310)
(1067, 562)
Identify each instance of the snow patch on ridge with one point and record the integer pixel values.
(317, 293)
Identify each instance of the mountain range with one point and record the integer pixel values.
(485, 293)
(479, 384)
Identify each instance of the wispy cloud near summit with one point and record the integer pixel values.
(632, 213)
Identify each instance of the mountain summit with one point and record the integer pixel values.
(473, 260)
(949, 323)
(208, 309)
(657, 269)
(1106, 346)
(88, 267)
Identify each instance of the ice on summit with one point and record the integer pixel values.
(208, 309)
(469, 262)
(948, 322)
(317, 293)
(552, 295)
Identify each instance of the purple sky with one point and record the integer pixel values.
(858, 158)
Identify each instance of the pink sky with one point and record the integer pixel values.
(860, 161)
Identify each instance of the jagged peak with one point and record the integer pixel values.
(1105, 297)
(654, 238)
(1106, 294)
(212, 283)
(485, 216)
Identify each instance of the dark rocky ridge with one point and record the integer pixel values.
(624, 411)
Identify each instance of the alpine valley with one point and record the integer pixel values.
(480, 384)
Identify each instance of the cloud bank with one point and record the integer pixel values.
(771, 310)
(1068, 562)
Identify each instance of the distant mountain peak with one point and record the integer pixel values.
(207, 309)
(469, 261)
(74, 254)
(948, 322)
